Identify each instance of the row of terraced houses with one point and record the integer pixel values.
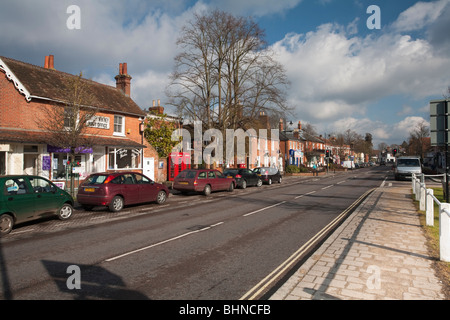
(26, 90)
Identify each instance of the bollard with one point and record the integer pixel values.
(430, 208)
(444, 232)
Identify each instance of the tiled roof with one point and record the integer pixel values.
(53, 84)
(39, 137)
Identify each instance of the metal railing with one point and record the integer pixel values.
(426, 200)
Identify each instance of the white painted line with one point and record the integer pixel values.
(162, 242)
(341, 182)
(275, 205)
(306, 194)
(324, 188)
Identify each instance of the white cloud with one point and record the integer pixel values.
(256, 8)
(420, 15)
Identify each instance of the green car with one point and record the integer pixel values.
(24, 198)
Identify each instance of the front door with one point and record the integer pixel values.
(149, 168)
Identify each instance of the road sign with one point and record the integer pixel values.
(439, 121)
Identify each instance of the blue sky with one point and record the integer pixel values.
(343, 75)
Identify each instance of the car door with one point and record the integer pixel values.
(222, 181)
(250, 176)
(46, 199)
(130, 189)
(147, 189)
(19, 198)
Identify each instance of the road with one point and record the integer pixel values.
(227, 246)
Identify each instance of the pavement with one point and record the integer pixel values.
(378, 253)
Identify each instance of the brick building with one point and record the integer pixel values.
(27, 90)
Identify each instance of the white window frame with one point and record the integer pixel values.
(122, 132)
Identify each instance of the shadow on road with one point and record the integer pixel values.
(6, 288)
(95, 282)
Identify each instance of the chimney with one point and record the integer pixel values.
(156, 109)
(264, 120)
(281, 125)
(299, 125)
(49, 62)
(123, 79)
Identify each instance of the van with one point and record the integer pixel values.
(406, 166)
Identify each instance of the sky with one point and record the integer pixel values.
(344, 74)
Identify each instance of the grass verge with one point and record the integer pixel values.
(432, 234)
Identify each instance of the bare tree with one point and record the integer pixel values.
(417, 144)
(225, 75)
(66, 123)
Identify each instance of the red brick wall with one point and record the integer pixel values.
(16, 112)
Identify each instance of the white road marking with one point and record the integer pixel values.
(272, 206)
(162, 242)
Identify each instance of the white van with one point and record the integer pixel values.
(406, 166)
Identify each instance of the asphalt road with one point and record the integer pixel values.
(224, 247)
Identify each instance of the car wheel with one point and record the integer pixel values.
(231, 188)
(279, 181)
(207, 190)
(270, 181)
(259, 183)
(161, 197)
(244, 184)
(116, 204)
(6, 224)
(65, 212)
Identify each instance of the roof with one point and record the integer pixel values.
(54, 85)
(39, 137)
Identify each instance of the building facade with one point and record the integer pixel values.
(28, 92)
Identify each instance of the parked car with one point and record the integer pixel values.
(244, 177)
(25, 198)
(203, 180)
(406, 166)
(268, 174)
(116, 190)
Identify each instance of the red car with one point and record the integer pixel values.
(117, 190)
(203, 180)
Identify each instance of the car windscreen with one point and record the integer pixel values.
(408, 163)
(96, 179)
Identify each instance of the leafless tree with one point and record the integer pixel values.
(66, 123)
(417, 142)
(225, 75)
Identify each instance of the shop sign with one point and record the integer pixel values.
(98, 122)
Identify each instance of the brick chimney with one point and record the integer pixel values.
(156, 109)
(264, 120)
(123, 80)
(281, 125)
(49, 62)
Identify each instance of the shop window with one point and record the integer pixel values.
(59, 165)
(123, 158)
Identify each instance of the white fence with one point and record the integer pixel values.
(426, 199)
